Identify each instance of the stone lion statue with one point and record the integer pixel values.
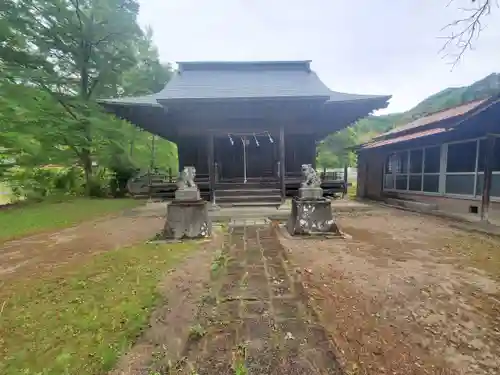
(187, 178)
(310, 178)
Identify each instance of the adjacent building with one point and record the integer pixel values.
(449, 159)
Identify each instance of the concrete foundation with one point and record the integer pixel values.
(187, 220)
(310, 193)
(187, 194)
(311, 217)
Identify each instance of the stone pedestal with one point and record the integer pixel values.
(187, 194)
(187, 219)
(311, 216)
(310, 193)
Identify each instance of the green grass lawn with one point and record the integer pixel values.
(81, 319)
(5, 194)
(351, 191)
(20, 221)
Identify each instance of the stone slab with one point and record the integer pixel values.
(310, 193)
(311, 217)
(419, 206)
(187, 220)
(187, 194)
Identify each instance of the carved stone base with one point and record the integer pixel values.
(187, 219)
(311, 216)
(310, 193)
(187, 194)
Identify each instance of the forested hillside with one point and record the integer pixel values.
(332, 153)
(56, 58)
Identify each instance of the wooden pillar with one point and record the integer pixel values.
(180, 154)
(488, 173)
(282, 161)
(346, 170)
(211, 167)
(313, 151)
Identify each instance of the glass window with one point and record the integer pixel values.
(401, 182)
(461, 157)
(482, 155)
(432, 159)
(416, 161)
(416, 182)
(495, 185)
(389, 161)
(397, 163)
(431, 183)
(388, 181)
(403, 162)
(460, 184)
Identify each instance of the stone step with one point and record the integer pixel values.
(249, 204)
(249, 185)
(248, 198)
(247, 192)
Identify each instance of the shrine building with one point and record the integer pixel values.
(247, 127)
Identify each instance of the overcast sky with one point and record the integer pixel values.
(357, 46)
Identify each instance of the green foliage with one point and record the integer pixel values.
(55, 58)
(196, 332)
(219, 262)
(332, 151)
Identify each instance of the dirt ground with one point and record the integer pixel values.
(405, 294)
(402, 293)
(40, 253)
(162, 344)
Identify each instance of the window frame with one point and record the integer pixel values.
(442, 172)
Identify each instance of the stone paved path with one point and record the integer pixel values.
(257, 313)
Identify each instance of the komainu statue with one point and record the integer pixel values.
(187, 178)
(310, 177)
(187, 214)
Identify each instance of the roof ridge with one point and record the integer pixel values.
(449, 108)
(406, 126)
(297, 65)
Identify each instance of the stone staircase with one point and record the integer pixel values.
(249, 194)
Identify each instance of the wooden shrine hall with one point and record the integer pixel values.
(247, 127)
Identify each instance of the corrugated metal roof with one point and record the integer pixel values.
(403, 138)
(436, 117)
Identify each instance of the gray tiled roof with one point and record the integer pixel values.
(233, 81)
(245, 80)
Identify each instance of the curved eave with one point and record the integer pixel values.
(143, 101)
(151, 117)
(339, 114)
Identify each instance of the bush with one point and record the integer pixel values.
(70, 180)
(122, 170)
(38, 183)
(100, 184)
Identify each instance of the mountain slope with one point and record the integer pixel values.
(450, 97)
(332, 151)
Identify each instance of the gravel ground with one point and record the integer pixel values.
(405, 293)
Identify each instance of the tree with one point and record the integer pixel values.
(333, 151)
(466, 30)
(148, 76)
(73, 51)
